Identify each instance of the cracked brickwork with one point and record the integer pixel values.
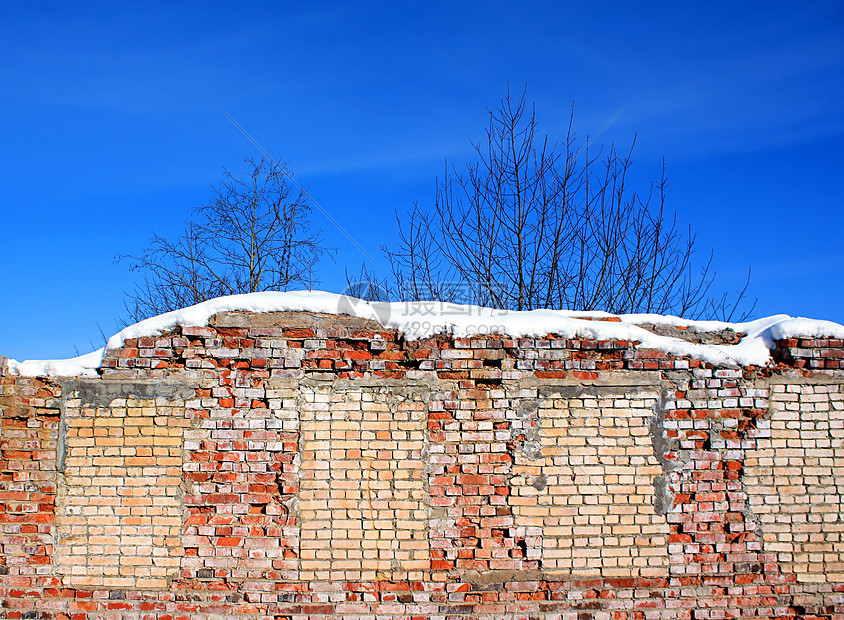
(301, 466)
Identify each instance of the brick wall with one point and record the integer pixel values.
(290, 465)
(119, 513)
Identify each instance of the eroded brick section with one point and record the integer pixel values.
(29, 421)
(242, 479)
(810, 353)
(119, 515)
(472, 523)
(715, 547)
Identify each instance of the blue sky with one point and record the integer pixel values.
(110, 128)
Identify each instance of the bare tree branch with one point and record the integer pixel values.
(534, 224)
(253, 235)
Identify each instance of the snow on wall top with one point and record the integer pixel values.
(424, 319)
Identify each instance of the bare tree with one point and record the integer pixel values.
(253, 235)
(532, 224)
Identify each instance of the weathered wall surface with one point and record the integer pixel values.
(287, 465)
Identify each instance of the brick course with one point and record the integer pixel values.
(303, 466)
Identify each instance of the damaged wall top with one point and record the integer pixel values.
(313, 464)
